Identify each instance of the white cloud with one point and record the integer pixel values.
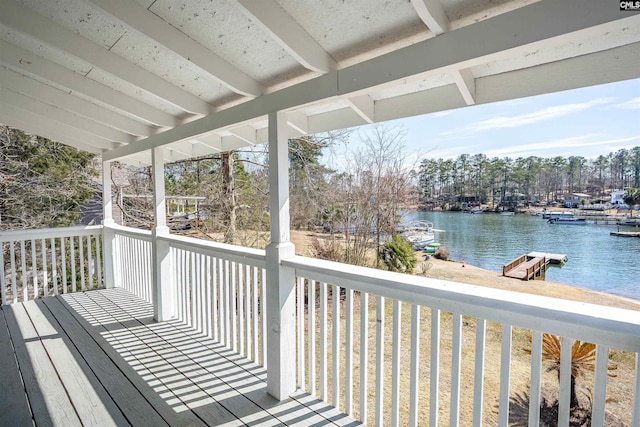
(548, 113)
(556, 146)
(632, 104)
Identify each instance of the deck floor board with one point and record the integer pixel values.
(102, 350)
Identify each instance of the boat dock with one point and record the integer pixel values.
(626, 233)
(532, 266)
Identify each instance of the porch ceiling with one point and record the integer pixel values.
(199, 77)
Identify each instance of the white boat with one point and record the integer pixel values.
(553, 215)
(507, 213)
(475, 211)
(571, 221)
(419, 234)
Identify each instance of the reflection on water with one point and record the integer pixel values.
(597, 260)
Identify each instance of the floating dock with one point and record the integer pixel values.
(626, 233)
(532, 266)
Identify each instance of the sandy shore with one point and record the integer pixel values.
(465, 273)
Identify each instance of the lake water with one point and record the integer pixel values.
(597, 260)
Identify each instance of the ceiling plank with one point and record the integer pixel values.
(10, 112)
(39, 27)
(542, 24)
(245, 133)
(276, 22)
(161, 31)
(28, 63)
(364, 106)
(298, 122)
(432, 14)
(466, 84)
(55, 113)
(35, 89)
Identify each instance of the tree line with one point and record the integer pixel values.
(528, 179)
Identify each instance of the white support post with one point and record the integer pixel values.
(280, 295)
(162, 289)
(108, 236)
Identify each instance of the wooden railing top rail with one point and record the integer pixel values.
(47, 233)
(614, 327)
(241, 254)
(513, 264)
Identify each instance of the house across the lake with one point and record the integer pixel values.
(574, 200)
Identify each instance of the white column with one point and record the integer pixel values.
(162, 290)
(108, 236)
(280, 296)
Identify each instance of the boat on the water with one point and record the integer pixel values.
(554, 215)
(419, 234)
(571, 221)
(475, 211)
(507, 213)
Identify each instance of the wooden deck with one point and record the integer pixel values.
(98, 358)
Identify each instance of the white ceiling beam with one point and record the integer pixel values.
(245, 133)
(36, 89)
(298, 122)
(87, 140)
(36, 128)
(540, 25)
(545, 23)
(364, 106)
(164, 33)
(336, 119)
(432, 14)
(212, 141)
(466, 84)
(28, 63)
(45, 30)
(55, 113)
(232, 142)
(281, 27)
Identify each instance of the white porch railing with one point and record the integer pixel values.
(218, 291)
(361, 370)
(132, 261)
(43, 262)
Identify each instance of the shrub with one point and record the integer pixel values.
(397, 254)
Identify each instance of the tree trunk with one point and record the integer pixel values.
(230, 196)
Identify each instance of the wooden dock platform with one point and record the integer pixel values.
(526, 268)
(626, 233)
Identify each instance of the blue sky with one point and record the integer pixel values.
(586, 122)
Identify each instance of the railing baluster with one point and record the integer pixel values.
(54, 267)
(99, 260)
(3, 284)
(348, 392)
(227, 309)
(63, 256)
(311, 310)
(263, 315)
(323, 342)
(240, 303)
(222, 305)
(536, 378)
(434, 367)
(564, 404)
(380, 361)
(247, 310)
(395, 364)
(300, 314)
(478, 376)
(34, 268)
(45, 276)
(81, 257)
(232, 305)
(414, 371)
(73, 264)
(636, 395)
(214, 298)
(23, 270)
(505, 374)
(209, 295)
(90, 265)
(600, 385)
(255, 311)
(12, 265)
(456, 356)
(336, 344)
(193, 291)
(364, 353)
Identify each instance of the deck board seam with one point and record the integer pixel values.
(162, 381)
